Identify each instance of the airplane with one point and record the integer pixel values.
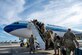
(24, 29)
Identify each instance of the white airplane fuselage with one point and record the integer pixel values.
(21, 29)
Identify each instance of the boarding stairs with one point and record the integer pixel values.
(37, 35)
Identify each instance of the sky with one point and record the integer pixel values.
(66, 13)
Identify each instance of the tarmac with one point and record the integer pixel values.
(23, 51)
(14, 49)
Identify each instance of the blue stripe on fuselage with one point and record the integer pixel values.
(13, 27)
(55, 29)
(60, 29)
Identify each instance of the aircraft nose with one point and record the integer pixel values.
(12, 27)
(7, 28)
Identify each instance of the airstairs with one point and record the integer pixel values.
(37, 35)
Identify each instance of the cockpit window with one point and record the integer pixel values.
(16, 23)
(20, 22)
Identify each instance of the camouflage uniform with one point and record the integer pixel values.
(31, 44)
(69, 39)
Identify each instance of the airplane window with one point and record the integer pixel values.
(20, 22)
(16, 23)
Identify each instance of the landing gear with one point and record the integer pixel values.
(21, 43)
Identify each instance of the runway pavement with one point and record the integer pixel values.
(14, 49)
(24, 51)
